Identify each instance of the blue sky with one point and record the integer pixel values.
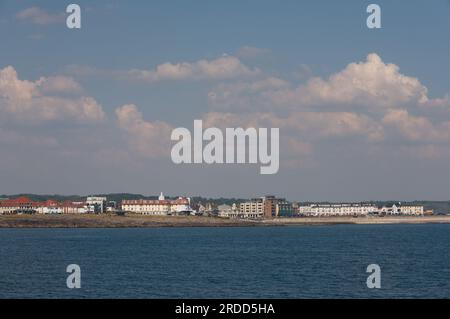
(292, 41)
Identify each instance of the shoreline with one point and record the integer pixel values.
(139, 221)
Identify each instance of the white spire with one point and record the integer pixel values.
(161, 196)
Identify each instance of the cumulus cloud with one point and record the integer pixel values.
(38, 101)
(417, 128)
(245, 95)
(370, 98)
(330, 125)
(39, 16)
(369, 86)
(58, 84)
(148, 139)
(310, 126)
(302, 133)
(225, 67)
(368, 102)
(371, 83)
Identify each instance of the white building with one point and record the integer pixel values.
(51, 210)
(243, 215)
(96, 204)
(160, 206)
(399, 209)
(352, 209)
(411, 210)
(344, 209)
(225, 210)
(18, 206)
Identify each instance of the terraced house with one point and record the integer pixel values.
(160, 206)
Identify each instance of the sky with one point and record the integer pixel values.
(364, 114)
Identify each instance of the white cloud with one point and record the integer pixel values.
(329, 125)
(148, 139)
(417, 128)
(58, 84)
(39, 16)
(369, 99)
(246, 95)
(371, 83)
(371, 86)
(310, 126)
(225, 67)
(28, 101)
(366, 102)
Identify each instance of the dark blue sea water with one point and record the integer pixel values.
(273, 262)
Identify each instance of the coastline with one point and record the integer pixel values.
(139, 221)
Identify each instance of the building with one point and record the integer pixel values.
(24, 205)
(111, 206)
(96, 204)
(205, 209)
(342, 209)
(261, 207)
(21, 205)
(285, 209)
(415, 210)
(160, 206)
(270, 205)
(399, 209)
(49, 207)
(252, 209)
(225, 210)
(359, 209)
(74, 208)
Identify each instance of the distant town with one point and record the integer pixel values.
(265, 207)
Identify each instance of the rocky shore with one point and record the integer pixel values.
(131, 221)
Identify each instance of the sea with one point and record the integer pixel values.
(226, 262)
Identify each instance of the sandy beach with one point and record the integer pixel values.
(113, 221)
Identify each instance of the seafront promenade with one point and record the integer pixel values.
(131, 221)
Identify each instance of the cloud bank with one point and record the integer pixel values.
(40, 101)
